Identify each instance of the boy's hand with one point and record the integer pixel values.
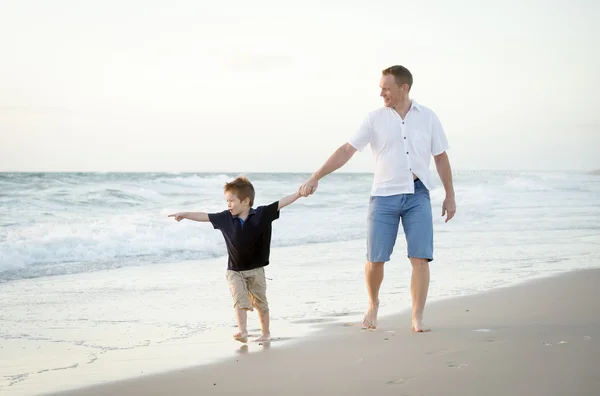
(178, 216)
(309, 187)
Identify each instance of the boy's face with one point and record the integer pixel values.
(234, 204)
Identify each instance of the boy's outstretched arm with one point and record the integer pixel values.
(283, 202)
(196, 216)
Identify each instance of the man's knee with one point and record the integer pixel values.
(375, 264)
(419, 263)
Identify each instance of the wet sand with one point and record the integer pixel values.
(541, 337)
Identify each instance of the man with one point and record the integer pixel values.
(403, 135)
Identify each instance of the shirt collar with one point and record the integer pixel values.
(250, 213)
(415, 105)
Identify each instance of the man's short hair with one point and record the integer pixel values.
(401, 75)
(242, 188)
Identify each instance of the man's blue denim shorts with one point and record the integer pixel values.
(385, 214)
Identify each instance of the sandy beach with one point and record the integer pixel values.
(541, 337)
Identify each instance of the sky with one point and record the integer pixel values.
(276, 86)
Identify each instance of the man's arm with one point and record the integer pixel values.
(442, 164)
(338, 159)
(283, 202)
(195, 216)
(335, 161)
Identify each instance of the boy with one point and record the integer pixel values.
(247, 233)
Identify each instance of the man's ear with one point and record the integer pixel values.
(246, 201)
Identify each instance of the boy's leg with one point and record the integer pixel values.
(242, 320)
(264, 324)
(241, 303)
(257, 285)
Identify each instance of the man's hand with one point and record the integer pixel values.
(178, 216)
(449, 208)
(309, 187)
(333, 163)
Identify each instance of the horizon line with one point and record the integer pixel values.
(291, 172)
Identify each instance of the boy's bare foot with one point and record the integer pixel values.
(419, 327)
(263, 338)
(370, 318)
(241, 337)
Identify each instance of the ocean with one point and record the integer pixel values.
(96, 280)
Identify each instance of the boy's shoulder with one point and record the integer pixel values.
(267, 206)
(219, 219)
(268, 212)
(223, 213)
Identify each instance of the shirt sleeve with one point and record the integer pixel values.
(271, 212)
(218, 219)
(439, 141)
(362, 136)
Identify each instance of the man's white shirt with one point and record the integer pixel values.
(401, 147)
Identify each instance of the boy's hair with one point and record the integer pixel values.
(242, 188)
(401, 74)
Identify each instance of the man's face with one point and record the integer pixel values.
(391, 93)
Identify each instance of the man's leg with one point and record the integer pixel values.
(374, 278)
(417, 222)
(383, 223)
(419, 286)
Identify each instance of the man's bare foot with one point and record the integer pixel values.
(419, 327)
(241, 337)
(370, 318)
(263, 338)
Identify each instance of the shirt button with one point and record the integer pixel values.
(404, 137)
(402, 122)
(407, 152)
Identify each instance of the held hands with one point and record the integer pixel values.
(178, 216)
(449, 208)
(308, 188)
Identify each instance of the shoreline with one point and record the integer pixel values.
(469, 333)
(133, 322)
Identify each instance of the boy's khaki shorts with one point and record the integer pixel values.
(248, 289)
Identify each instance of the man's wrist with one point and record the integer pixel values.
(450, 195)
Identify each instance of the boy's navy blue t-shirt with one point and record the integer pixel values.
(249, 242)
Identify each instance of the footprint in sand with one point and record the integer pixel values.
(457, 365)
(362, 328)
(399, 381)
(561, 342)
(442, 352)
(312, 321)
(341, 314)
(587, 338)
